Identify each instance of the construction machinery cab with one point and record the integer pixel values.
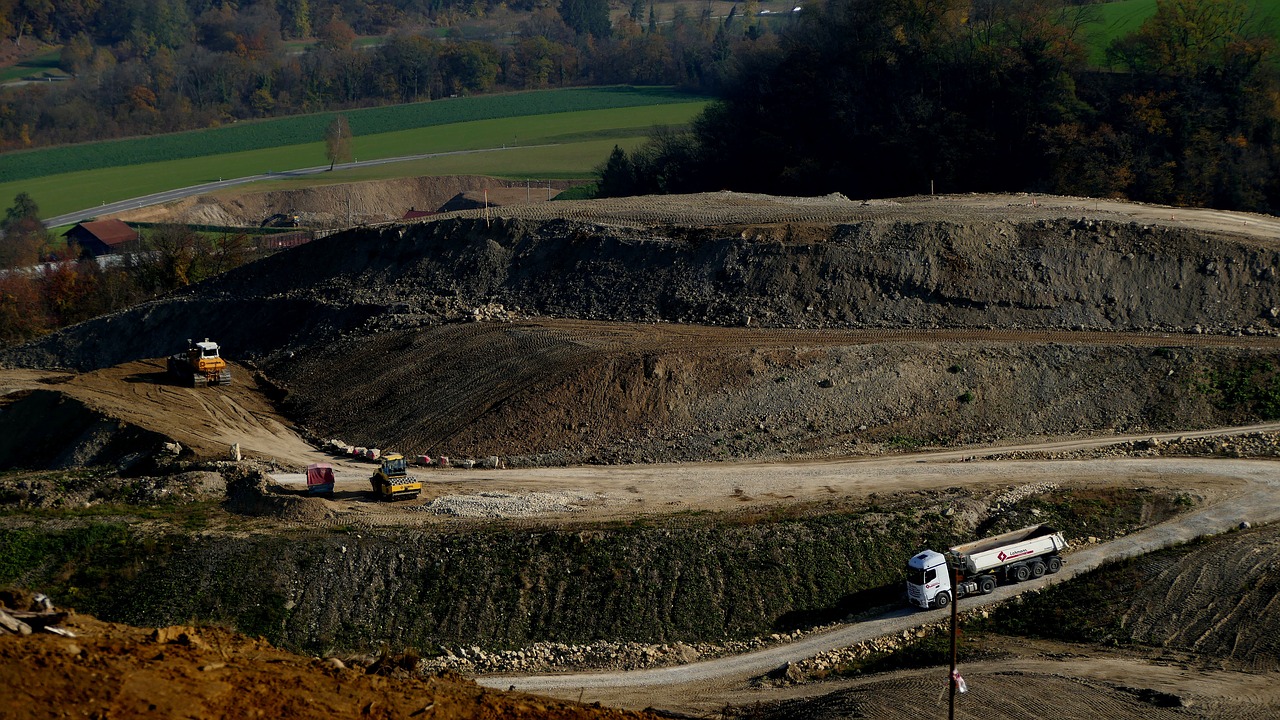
(392, 481)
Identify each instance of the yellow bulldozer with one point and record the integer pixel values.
(200, 365)
(391, 481)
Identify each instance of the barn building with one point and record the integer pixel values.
(102, 237)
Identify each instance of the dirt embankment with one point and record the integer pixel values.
(723, 260)
(111, 670)
(635, 393)
(691, 580)
(343, 204)
(1213, 598)
(362, 328)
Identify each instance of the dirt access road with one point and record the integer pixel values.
(211, 419)
(1241, 490)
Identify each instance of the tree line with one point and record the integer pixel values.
(898, 97)
(148, 66)
(46, 285)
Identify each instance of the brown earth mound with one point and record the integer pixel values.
(110, 670)
(343, 204)
(132, 413)
(573, 391)
(361, 326)
(1216, 600)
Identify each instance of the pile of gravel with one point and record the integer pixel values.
(495, 504)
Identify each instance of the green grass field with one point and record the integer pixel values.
(33, 67)
(302, 129)
(1117, 19)
(578, 141)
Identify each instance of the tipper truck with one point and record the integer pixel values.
(982, 564)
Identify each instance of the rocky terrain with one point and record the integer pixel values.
(111, 670)
(603, 351)
(723, 326)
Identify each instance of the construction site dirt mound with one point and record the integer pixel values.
(1213, 598)
(346, 204)
(724, 259)
(112, 670)
(450, 335)
(134, 416)
(556, 392)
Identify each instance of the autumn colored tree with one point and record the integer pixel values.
(176, 256)
(21, 316)
(25, 236)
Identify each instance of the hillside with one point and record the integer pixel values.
(704, 411)
(720, 325)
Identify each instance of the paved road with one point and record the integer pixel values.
(178, 194)
(1257, 499)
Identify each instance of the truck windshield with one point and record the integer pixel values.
(916, 576)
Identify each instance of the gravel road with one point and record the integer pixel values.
(1256, 498)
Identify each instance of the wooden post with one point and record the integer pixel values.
(955, 614)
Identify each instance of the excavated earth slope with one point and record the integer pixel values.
(360, 329)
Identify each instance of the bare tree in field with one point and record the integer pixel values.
(337, 141)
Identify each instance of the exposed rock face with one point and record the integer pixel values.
(824, 263)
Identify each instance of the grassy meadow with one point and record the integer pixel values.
(1122, 17)
(579, 141)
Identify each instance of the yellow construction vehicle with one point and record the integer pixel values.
(200, 365)
(392, 482)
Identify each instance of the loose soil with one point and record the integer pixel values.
(112, 670)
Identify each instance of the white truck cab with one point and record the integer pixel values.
(928, 577)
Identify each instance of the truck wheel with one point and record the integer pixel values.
(1021, 573)
(942, 600)
(987, 585)
(1055, 564)
(1037, 569)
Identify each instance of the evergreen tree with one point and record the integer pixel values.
(587, 17)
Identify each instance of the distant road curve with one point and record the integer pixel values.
(178, 194)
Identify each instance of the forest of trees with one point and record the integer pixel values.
(876, 98)
(148, 66)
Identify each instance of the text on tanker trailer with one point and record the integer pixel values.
(1017, 556)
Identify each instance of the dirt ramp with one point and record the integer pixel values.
(129, 413)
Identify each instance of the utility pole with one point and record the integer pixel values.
(953, 679)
